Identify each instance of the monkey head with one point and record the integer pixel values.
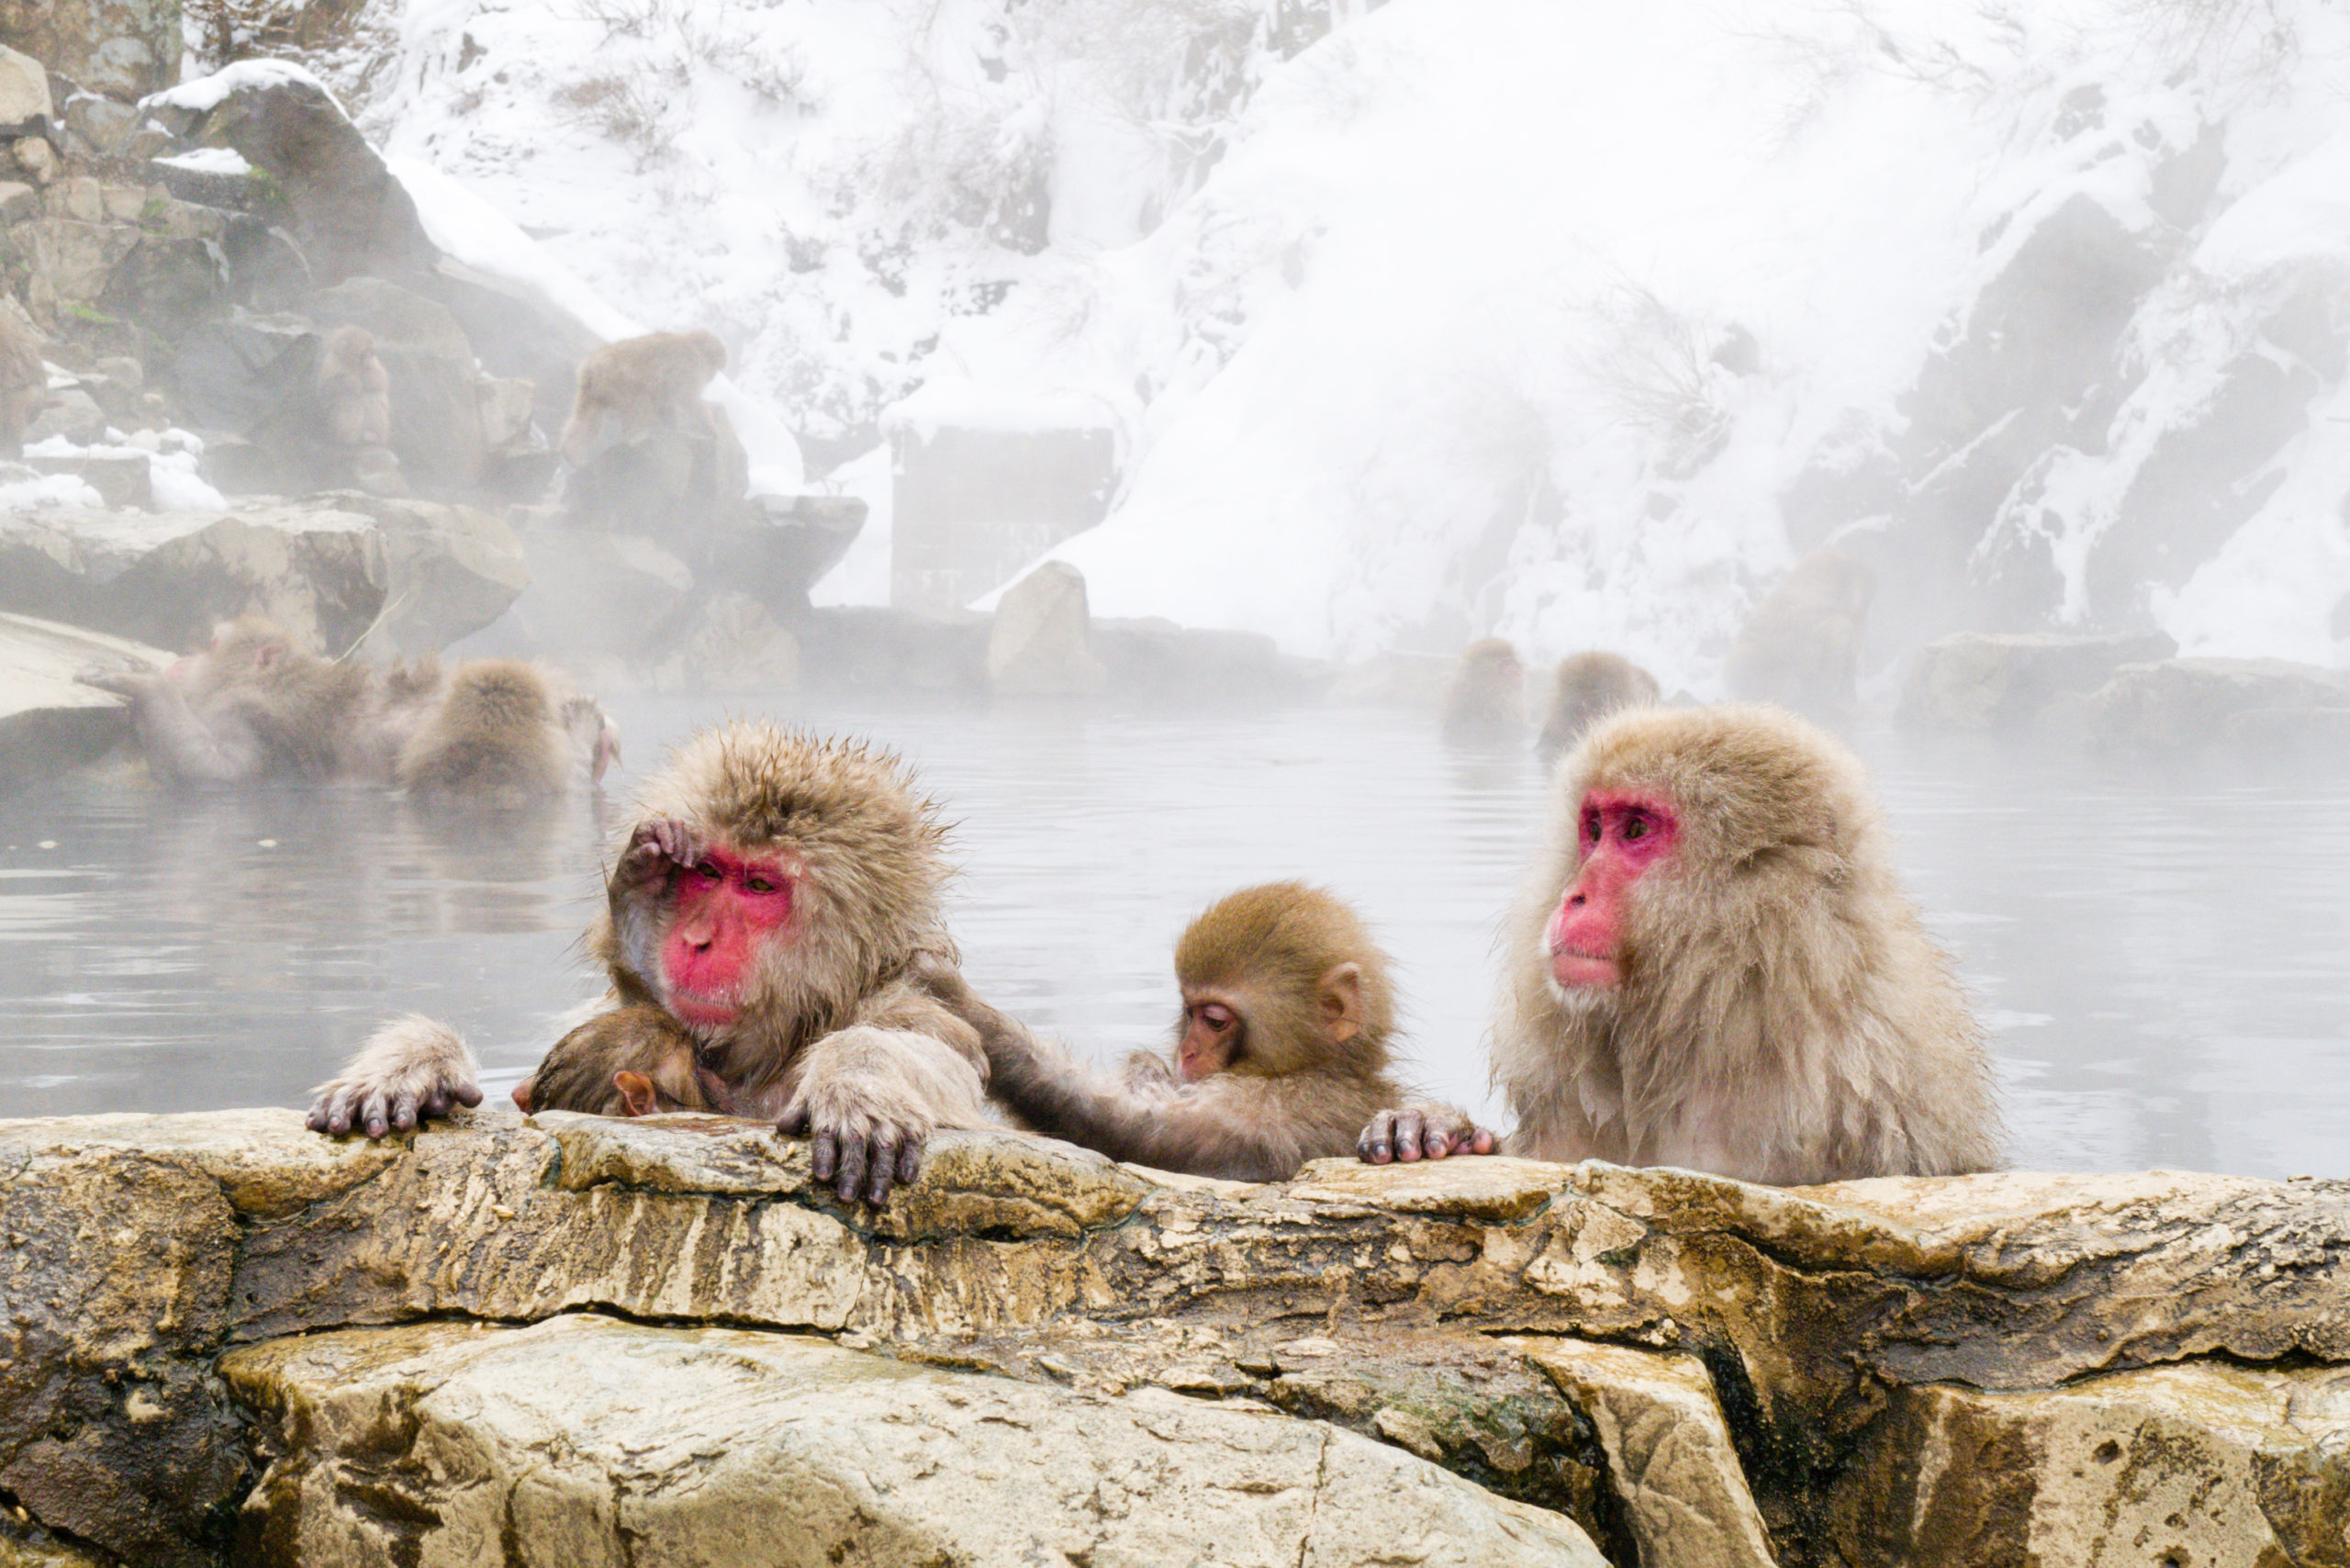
(1494, 659)
(770, 880)
(594, 735)
(1278, 980)
(1691, 834)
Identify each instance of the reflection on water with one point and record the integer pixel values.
(2162, 965)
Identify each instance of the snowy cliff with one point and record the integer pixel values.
(1576, 323)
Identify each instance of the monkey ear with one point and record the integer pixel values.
(522, 1094)
(637, 1092)
(268, 654)
(1342, 1002)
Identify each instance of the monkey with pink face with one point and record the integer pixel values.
(1716, 967)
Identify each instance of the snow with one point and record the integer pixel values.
(207, 161)
(1442, 327)
(171, 468)
(206, 94)
(45, 490)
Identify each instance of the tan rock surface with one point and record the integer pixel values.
(1383, 1301)
(585, 1441)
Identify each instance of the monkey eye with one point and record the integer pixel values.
(1636, 826)
(759, 885)
(1591, 827)
(1216, 1016)
(710, 873)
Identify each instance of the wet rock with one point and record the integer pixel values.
(728, 643)
(1669, 1449)
(237, 375)
(1978, 682)
(24, 88)
(21, 1546)
(36, 157)
(69, 261)
(1580, 1338)
(2203, 1464)
(71, 412)
(50, 724)
(121, 48)
(18, 201)
(593, 593)
(448, 571)
(103, 125)
(167, 578)
(806, 1452)
(2184, 706)
(1041, 642)
(782, 545)
(686, 485)
(350, 215)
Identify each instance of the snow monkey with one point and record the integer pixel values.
(1487, 703)
(1802, 644)
(253, 707)
(354, 392)
(631, 1061)
(24, 379)
(628, 387)
(777, 897)
(1279, 1056)
(1590, 687)
(1716, 967)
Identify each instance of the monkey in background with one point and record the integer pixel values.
(1590, 687)
(354, 393)
(24, 379)
(1281, 1055)
(632, 1061)
(1486, 705)
(251, 706)
(1715, 966)
(1802, 644)
(627, 389)
(777, 898)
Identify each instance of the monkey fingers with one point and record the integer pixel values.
(121, 682)
(657, 845)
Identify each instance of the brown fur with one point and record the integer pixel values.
(859, 1029)
(1802, 644)
(628, 387)
(253, 707)
(1297, 1088)
(1486, 705)
(495, 737)
(354, 392)
(582, 1072)
(1781, 1014)
(1589, 688)
(24, 379)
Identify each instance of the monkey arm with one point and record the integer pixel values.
(410, 1069)
(217, 748)
(1423, 1129)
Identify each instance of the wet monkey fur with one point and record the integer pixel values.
(353, 390)
(1280, 1055)
(1485, 704)
(1716, 967)
(255, 707)
(1590, 687)
(776, 897)
(631, 1061)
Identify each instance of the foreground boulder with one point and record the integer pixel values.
(2184, 708)
(1987, 683)
(230, 1340)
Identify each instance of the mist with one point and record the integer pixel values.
(1129, 411)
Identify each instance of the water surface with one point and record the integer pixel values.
(2162, 964)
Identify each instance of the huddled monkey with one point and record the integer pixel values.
(354, 393)
(1485, 704)
(1716, 967)
(24, 379)
(1590, 687)
(254, 707)
(631, 1061)
(775, 896)
(628, 387)
(1802, 644)
(1280, 1054)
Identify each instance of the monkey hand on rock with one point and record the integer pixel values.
(112, 677)
(409, 1071)
(1423, 1129)
(866, 1117)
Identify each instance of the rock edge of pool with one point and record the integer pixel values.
(566, 1340)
